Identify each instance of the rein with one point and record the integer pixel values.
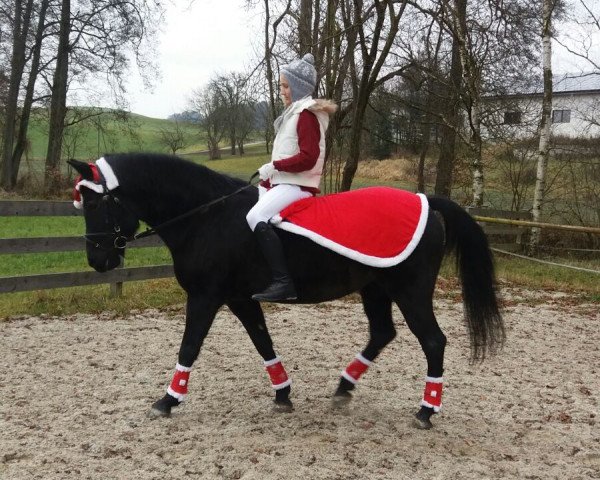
(120, 241)
(200, 209)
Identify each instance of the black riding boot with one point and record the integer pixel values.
(282, 287)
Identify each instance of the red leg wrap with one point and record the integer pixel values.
(357, 367)
(432, 396)
(179, 384)
(277, 374)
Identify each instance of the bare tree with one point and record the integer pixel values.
(233, 94)
(93, 38)
(58, 101)
(305, 35)
(174, 137)
(213, 116)
(21, 21)
(374, 46)
(245, 124)
(545, 123)
(21, 142)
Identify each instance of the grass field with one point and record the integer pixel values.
(96, 136)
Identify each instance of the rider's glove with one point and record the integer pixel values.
(266, 171)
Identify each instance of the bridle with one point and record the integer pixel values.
(120, 241)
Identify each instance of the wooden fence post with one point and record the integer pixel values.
(116, 289)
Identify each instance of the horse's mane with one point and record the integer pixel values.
(170, 176)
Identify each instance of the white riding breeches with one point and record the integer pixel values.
(272, 201)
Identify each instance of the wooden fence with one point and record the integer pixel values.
(24, 246)
(504, 229)
(508, 236)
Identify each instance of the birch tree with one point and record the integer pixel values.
(545, 123)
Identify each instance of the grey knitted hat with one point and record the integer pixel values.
(301, 76)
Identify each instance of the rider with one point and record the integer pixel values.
(295, 168)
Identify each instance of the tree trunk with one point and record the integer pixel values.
(373, 57)
(22, 18)
(425, 141)
(355, 142)
(21, 141)
(472, 94)
(233, 144)
(449, 129)
(58, 102)
(545, 124)
(476, 148)
(305, 27)
(270, 77)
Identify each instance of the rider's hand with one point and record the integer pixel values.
(266, 171)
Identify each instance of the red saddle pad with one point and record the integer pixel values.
(377, 226)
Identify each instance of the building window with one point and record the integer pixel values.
(561, 116)
(512, 118)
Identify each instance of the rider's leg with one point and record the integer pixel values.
(269, 204)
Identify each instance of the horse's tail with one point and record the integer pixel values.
(475, 267)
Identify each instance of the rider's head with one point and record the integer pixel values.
(301, 77)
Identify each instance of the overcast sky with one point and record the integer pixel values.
(199, 38)
(202, 37)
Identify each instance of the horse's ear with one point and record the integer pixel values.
(83, 168)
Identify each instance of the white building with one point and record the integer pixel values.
(575, 109)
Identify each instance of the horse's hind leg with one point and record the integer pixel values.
(251, 315)
(378, 308)
(417, 307)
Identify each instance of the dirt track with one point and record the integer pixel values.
(75, 392)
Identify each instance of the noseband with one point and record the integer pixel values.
(119, 241)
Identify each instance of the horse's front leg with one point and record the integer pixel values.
(251, 315)
(200, 313)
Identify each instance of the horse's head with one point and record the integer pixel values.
(108, 222)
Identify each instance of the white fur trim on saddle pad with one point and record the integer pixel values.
(337, 245)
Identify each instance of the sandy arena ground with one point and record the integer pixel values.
(75, 392)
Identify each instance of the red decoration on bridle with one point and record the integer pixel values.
(77, 201)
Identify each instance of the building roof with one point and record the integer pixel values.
(575, 82)
(566, 83)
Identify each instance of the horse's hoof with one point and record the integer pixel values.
(341, 400)
(157, 413)
(422, 423)
(162, 407)
(284, 406)
(422, 420)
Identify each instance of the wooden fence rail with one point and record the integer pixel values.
(496, 223)
(35, 208)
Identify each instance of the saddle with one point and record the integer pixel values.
(376, 226)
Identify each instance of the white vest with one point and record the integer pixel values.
(285, 144)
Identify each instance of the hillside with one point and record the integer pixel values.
(106, 133)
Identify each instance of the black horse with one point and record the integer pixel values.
(218, 262)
